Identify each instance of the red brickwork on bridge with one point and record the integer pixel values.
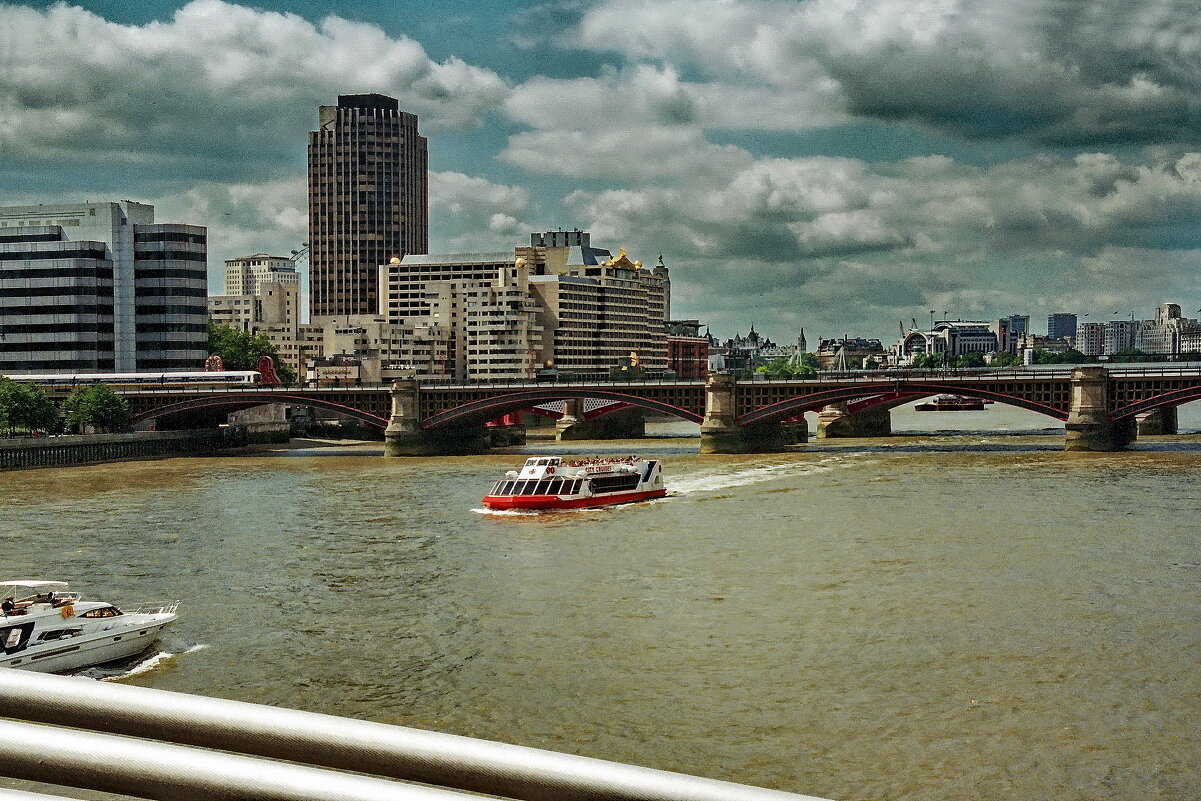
(1130, 392)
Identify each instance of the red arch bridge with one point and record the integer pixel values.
(1100, 405)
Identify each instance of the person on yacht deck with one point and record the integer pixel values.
(8, 606)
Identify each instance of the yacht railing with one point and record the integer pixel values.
(209, 749)
(152, 609)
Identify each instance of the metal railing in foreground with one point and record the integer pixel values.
(256, 735)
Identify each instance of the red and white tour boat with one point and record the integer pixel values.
(548, 482)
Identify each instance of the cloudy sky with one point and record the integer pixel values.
(838, 164)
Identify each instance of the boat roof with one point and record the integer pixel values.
(28, 584)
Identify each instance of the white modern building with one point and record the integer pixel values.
(245, 275)
(952, 338)
(100, 287)
(1162, 335)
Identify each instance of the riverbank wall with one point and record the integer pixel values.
(30, 453)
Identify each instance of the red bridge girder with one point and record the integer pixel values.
(242, 400)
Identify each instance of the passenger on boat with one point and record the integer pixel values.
(8, 606)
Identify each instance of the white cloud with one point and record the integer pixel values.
(644, 96)
(622, 154)
(851, 241)
(472, 213)
(217, 87)
(242, 218)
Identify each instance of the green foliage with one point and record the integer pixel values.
(26, 406)
(783, 368)
(810, 360)
(927, 361)
(97, 406)
(1131, 355)
(970, 360)
(1007, 360)
(240, 350)
(1067, 357)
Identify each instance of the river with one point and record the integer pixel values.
(977, 616)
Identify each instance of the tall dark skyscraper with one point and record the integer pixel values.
(1061, 325)
(368, 200)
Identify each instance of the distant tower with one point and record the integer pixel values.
(802, 346)
(368, 200)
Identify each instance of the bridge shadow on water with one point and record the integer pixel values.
(948, 441)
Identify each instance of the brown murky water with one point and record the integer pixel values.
(976, 617)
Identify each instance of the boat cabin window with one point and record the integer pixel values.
(556, 484)
(104, 611)
(14, 638)
(59, 634)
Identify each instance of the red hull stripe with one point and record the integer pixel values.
(555, 502)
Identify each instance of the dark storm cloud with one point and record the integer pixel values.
(1057, 73)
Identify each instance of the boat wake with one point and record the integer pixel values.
(145, 663)
(532, 512)
(710, 482)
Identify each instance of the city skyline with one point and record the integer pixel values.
(821, 164)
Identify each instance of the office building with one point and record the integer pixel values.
(100, 287)
(368, 349)
(1120, 335)
(244, 275)
(687, 349)
(368, 200)
(1090, 339)
(275, 303)
(564, 305)
(1018, 324)
(952, 338)
(1061, 326)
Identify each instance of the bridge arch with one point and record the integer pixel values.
(898, 394)
(1166, 400)
(246, 400)
(480, 411)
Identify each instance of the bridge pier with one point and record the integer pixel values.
(404, 435)
(721, 434)
(622, 424)
(1160, 421)
(1089, 427)
(838, 421)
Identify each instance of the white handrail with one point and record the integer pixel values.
(397, 752)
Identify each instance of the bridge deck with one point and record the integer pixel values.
(1132, 389)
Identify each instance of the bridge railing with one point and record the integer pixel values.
(1119, 370)
(205, 749)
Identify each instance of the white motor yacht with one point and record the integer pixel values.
(48, 628)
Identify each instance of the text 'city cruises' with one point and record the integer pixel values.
(549, 482)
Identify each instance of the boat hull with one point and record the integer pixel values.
(555, 502)
(92, 649)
